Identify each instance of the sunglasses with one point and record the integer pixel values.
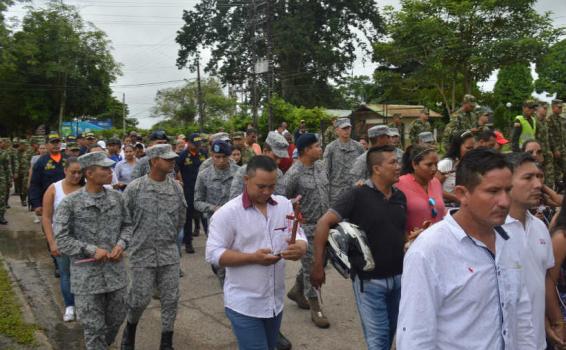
(432, 204)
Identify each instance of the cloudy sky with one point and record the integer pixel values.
(143, 39)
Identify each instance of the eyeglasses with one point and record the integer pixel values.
(432, 204)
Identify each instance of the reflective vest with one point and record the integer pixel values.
(528, 132)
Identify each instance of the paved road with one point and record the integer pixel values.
(201, 323)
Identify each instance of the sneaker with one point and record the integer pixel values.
(317, 316)
(296, 294)
(69, 314)
(36, 220)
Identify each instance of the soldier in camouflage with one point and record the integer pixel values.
(339, 157)
(420, 125)
(24, 155)
(238, 139)
(485, 119)
(557, 138)
(396, 123)
(93, 223)
(462, 120)
(275, 147)
(307, 177)
(542, 136)
(158, 208)
(330, 132)
(5, 176)
(142, 166)
(222, 136)
(379, 135)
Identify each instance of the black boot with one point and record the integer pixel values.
(3, 221)
(166, 341)
(189, 248)
(283, 343)
(129, 337)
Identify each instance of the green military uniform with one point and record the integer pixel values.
(329, 134)
(542, 136)
(417, 127)
(557, 140)
(401, 129)
(460, 122)
(22, 172)
(5, 176)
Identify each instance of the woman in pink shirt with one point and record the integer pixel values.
(423, 190)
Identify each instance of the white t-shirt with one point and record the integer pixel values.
(537, 257)
(447, 167)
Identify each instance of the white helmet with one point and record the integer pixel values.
(348, 250)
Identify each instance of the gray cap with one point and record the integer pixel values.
(278, 144)
(557, 102)
(95, 158)
(393, 132)
(223, 136)
(378, 130)
(164, 151)
(343, 123)
(426, 136)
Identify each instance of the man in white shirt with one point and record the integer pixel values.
(537, 256)
(463, 279)
(249, 236)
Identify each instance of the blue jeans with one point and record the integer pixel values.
(378, 306)
(64, 265)
(255, 333)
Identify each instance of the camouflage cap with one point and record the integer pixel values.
(393, 132)
(73, 146)
(238, 135)
(278, 143)
(38, 140)
(24, 142)
(95, 159)
(530, 103)
(557, 102)
(89, 135)
(164, 151)
(343, 123)
(484, 110)
(426, 136)
(378, 130)
(222, 136)
(469, 99)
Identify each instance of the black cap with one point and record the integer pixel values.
(305, 140)
(113, 141)
(158, 135)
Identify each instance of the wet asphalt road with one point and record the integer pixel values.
(201, 322)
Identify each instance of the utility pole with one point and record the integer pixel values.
(271, 74)
(62, 104)
(253, 45)
(124, 112)
(199, 97)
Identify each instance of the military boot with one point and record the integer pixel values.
(297, 294)
(3, 221)
(166, 341)
(317, 316)
(129, 337)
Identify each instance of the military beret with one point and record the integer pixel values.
(278, 144)
(164, 151)
(220, 146)
(343, 123)
(305, 140)
(95, 159)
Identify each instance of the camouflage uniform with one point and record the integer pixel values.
(24, 163)
(83, 222)
(312, 184)
(417, 127)
(212, 188)
(13, 169)
(401, 129)
(557, 138)
(247, 154)
(459, 123)
(329, 134)
(158, 212)
(339, 158)
(5, 176)
(542, 136)
(237, 186)
(359, 170)
(142, 168)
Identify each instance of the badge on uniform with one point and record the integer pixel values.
(216, 148)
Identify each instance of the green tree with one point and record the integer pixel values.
(450, 45)
(314, 42)
(514, 85)
(551, 70)
(181, 103)
(55, 63)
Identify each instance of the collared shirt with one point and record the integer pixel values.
(537, 257)
(252, 290)
(457, 295)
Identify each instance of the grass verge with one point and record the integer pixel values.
(12, 323)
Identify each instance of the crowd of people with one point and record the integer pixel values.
(460, 234)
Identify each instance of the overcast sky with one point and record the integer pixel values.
(143, 39)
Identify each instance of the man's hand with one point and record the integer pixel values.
(359, 183)
(53, 250)
(116, 253)
(38, 211)
(265, 258)
(100, 255)
(295, 251)
(555, 333)
(318, 276)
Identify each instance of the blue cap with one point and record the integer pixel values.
(305, 140)
(195, 138)
(220, 146)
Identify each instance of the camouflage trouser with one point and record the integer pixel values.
(143, 281)
(304, 274)
(549, 172)
(101, 316)
(3, 182)
(21, 186)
